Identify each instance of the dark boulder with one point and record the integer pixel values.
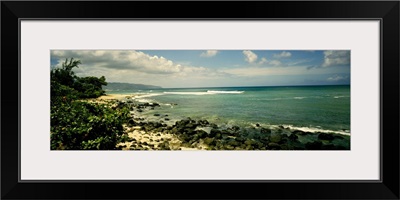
(201, 133)
(325, 136)
(275, 138)
(316, 145)
(293, 137)
(209, 141)
(214, 126)
(203, 122)
(265, 131)
(234, 128)
(156, 114)
(131, 122)
(339, 137)
(274, 146)
(214, 132)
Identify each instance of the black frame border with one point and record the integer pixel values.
(386, 11)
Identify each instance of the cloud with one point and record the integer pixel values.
(283, 54)
(337, 78)
(250, 57)
(262, 61)
(336, 58)
(135, 67)
(122, 60)
(209, 53)
(275, 62)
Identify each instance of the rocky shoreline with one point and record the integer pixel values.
(159, 133)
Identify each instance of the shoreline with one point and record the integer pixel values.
(189, 134)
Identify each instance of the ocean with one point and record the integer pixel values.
(307, 108)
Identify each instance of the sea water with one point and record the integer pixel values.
(308, 108)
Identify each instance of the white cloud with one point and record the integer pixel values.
(337, 78)
(262, 61)
(335, 58)
(250, 57)
(135, 67)
(209, 53)
(122, 60)
(275, 62)
(283, 54)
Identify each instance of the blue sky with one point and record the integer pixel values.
(212, 68)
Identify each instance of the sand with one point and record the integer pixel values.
(152, 140)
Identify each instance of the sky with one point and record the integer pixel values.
(212, 68)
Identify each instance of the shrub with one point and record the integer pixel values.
(82, 125)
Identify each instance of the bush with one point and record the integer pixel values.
(81, 125)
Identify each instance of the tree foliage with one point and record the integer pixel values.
(77, 124)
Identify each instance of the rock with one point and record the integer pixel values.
(174, 131)
(326, 136)
(284, 147)
(233, 143)
(265, 131)
(340, 147)
(166, 119)
(249, 142)
(249, 147)
(209, 141)
(328, 147)
(131, 122)
(164, 146)
(338, 137)
(316, 145)
(160, 129)
(191, 125)
(258, 125)
(203, 122)
(240, 139)
(234, 128)
(229, 147)
(139, 110)
(156, 114)
(185, 138)
(275, 138)
(214, 132)
(201, 133)
(284, 139)
(190, 131)
(281, 127)
(157, 124)
(293, 137)
(274, 146)
(214, 126)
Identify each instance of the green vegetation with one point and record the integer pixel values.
(76, 124)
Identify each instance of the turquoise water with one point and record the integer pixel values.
(310, 108)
